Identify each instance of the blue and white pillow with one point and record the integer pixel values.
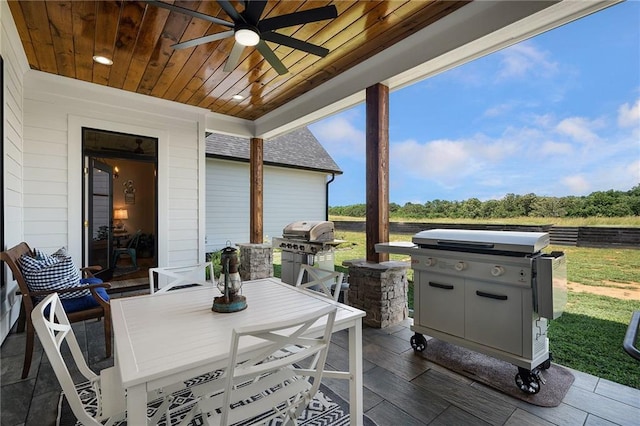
(43, 272)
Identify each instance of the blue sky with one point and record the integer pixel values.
(555, 115)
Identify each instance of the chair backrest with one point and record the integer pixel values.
(133, 242)
(12, 258)
(53, 328)
(321, 279)
(175, 277)
(273, 371)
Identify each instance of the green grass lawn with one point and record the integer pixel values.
(588, 336)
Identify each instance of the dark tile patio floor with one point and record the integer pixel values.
(401, 388)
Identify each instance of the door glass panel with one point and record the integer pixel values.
(100, 182)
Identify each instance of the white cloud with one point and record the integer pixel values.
(633, 171)
(499, 110)
(577, 184)
(556, 148)
(340, 137)
(523, 59)
(448, 162)
(579, 129)
(434, 160)
(629, 116)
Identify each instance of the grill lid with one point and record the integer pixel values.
(482, 241)
(310, 230)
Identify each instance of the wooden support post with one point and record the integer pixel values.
(377, 122)
(256, 223)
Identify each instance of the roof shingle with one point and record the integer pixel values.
(298, 149)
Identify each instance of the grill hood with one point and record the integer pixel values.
(482, 241)
(320, 231)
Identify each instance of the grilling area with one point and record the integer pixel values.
(402, 381)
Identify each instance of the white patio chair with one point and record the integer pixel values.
(270, 384)
(324, 280)
(102, 401)
(180, 277)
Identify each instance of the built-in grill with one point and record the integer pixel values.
(305, 243)
(489, 291)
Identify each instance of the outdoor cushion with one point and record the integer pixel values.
(86, 302)
(44, 272)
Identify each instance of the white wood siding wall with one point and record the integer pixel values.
(15, 65)
(56, 109)
(289, 195)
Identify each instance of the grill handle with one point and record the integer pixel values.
(491, 296)
(467, 245)
(442, 286)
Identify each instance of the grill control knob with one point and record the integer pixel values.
(460, 266)
(430, 261)
(496, 271)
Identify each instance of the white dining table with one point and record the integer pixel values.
(163, 339)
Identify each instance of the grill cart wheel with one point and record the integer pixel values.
(547, 364)
(528, 381)
(418, 342)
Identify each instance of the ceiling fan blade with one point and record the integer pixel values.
(295, 43)
(298, 18)
(271, 57)
(189, 12)
(234, 57)
(202, 40)
(253, 11)
(231, 11)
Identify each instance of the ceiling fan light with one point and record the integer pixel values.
(102, 60)
(238, 97)
(247, 37)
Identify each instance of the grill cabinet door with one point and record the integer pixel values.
(440, 302)
(494, 315)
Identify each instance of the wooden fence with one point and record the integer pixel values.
(582, 236)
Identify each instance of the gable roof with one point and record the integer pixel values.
(297, 149)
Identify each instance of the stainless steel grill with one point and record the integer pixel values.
(305, 243)
(489, 291)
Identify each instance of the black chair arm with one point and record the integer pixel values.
(631, 336)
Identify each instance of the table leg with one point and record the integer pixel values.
(137, 405)
(355, 370)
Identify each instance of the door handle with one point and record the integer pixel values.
(491, 296)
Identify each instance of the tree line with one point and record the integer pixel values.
(601, 203)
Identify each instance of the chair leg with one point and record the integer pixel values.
(28, 351)
(107, 333)
(22, 319)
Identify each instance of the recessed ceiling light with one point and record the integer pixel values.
(238, 97)
(103, 60)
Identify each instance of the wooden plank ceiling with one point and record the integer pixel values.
(61, 37)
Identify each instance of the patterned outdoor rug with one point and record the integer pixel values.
(499, 374)
(327, 408)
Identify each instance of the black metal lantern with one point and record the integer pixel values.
(229, 283)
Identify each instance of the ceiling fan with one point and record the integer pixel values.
(249, 30)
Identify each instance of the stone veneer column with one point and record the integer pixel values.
(256, 261)
(379, 289)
